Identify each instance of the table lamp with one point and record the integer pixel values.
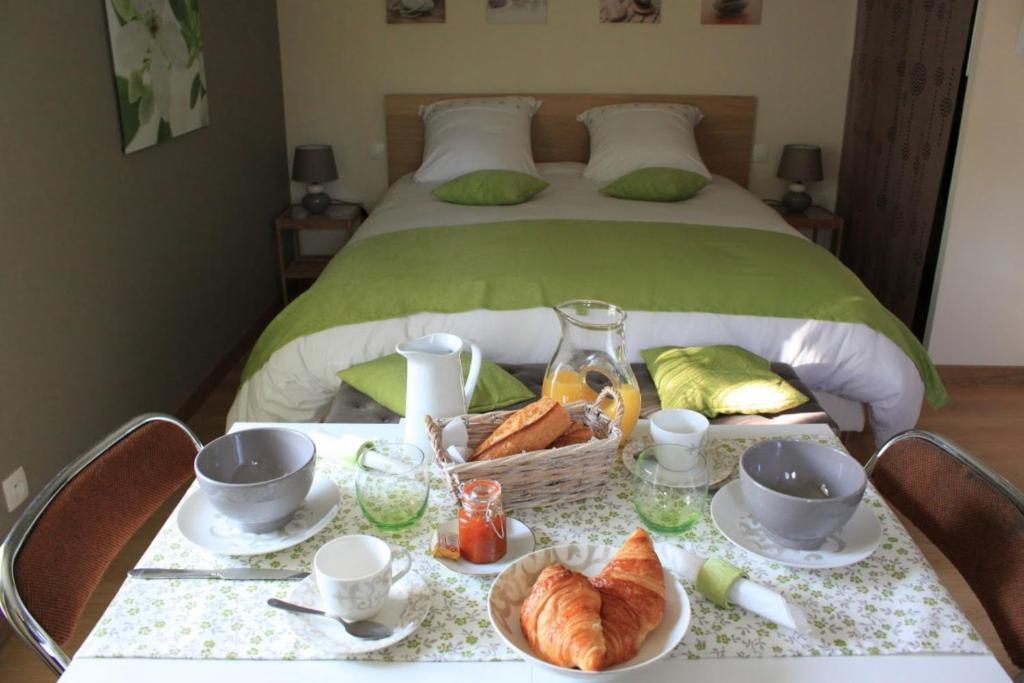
(800, 164)
(314, 164)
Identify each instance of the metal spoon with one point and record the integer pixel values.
(367, 630)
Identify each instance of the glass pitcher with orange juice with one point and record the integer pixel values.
(591, 355)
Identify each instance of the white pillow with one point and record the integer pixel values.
(627, 137)
(476, 134)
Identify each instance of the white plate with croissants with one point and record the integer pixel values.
(590, 609)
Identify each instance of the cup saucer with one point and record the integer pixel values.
(721, 465)
(201, 524)
(521, 541)
(855, 541)
(406, 606)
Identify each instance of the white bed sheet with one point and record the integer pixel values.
(846, 360)
(408, 204)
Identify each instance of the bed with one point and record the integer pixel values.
(719, 268)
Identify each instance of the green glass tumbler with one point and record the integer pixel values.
(392, 483)
(670, 487)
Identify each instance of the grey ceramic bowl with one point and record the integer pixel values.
(801, 492)
(257, 478)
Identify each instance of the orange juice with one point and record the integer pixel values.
(566, 386)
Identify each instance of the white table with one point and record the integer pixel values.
(933, 668)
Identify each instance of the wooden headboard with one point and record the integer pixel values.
(725, 136)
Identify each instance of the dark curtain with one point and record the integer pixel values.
(901, 116)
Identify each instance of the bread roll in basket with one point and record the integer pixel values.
(544, 477)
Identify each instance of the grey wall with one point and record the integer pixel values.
(124, 279)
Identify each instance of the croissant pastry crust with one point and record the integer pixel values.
(572, 621)
(632, 589)
(561, 619)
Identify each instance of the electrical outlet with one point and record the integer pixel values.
(760, 154)
(15, 489)
(376, 150)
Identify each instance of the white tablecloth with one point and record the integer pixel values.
(890, 604)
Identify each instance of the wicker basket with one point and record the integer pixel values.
(536, 478)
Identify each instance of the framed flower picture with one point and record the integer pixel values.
(157, 51)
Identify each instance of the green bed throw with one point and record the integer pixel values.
(640, 266)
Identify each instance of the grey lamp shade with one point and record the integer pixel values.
(800, 162)
(314, 164)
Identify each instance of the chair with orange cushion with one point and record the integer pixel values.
(57, 551)
(973, 515)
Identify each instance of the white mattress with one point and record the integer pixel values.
(408, 204)
(846, 360)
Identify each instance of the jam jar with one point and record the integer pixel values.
(482, 522)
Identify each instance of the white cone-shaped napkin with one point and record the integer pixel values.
(760, 600)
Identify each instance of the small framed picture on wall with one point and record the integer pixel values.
(629, 11)
(730, 12)
(517, 11)
(415, 11)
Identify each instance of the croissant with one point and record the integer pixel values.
(561, 619)
(632, 597)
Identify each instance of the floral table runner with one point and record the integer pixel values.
(891, 603)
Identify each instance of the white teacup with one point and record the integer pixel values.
(681, 427)
(354, 575)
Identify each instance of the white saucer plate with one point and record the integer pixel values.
(721, 464)
(407, 605)
(854, 542)
(521, 541)
(201, 524)
(509, 591)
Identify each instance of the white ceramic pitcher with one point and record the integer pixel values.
(433, 384)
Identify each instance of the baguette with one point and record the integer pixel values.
(576, 433)
(531, 428)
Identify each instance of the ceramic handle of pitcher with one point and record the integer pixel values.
(474, 370)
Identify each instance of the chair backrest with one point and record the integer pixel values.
(58, 550)
(973, 515)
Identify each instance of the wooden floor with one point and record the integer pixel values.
(984, 417)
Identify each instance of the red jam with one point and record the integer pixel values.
(482, 522)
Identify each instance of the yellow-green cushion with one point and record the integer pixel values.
(383, 380)
(718, 380)
(490, 188)
(656, 184)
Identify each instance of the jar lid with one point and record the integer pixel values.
(481, 492)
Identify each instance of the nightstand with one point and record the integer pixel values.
(294, 267)
(815, 219)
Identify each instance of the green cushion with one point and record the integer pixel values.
(490, 188)
(656, 184)
(718, 380)
(383, 380)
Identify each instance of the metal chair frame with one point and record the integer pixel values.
(11, 605)
(1011, 492)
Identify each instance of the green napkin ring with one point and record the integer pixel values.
(715, 578)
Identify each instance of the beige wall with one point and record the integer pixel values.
(125, 279)
(340, 58)
(978, 304)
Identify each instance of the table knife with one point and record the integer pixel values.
(234, 574)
